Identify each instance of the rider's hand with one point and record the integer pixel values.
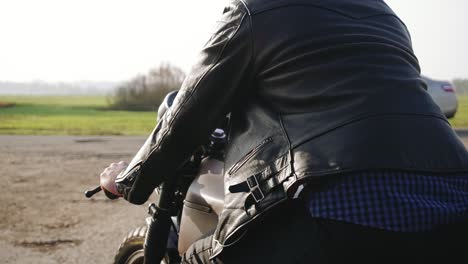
(107, 179)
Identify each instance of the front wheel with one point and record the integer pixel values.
(131, 249)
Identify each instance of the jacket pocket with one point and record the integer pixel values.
(249, 156)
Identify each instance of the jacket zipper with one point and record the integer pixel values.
(248, 156)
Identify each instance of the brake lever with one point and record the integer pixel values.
(90, 193)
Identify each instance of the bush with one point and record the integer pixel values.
(146, 92)
(6, 104)
(462, 86)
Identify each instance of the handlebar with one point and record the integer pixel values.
(90, 193)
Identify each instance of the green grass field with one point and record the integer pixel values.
(88, 116)
(461, 117)
(70, 116)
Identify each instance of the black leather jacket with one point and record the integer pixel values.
(316, 89)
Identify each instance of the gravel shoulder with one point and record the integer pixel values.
(44, 216)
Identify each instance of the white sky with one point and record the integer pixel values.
(113, 40)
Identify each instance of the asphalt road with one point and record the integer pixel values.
(44, 217)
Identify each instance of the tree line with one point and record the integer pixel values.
(461, 86)
(145, 92)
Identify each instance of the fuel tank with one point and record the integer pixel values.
(203, 203)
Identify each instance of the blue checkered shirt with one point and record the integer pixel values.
(394, 201)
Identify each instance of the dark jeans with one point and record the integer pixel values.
(290, 235)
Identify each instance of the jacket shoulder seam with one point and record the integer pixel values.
(252, 44)
(246, 7)
(266, 9)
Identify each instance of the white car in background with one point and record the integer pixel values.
(444, 95)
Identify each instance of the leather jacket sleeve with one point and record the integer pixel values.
(216, 82)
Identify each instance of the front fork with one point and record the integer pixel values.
(158, 238)
(172, 239)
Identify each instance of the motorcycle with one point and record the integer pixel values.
(187, 206)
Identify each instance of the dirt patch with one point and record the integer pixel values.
(48, 245)
(6, 104)
(89, 140)
(61, 225)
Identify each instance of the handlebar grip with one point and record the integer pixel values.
(90, 193)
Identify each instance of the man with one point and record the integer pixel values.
(327, 106)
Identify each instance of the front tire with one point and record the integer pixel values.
(131, 249)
